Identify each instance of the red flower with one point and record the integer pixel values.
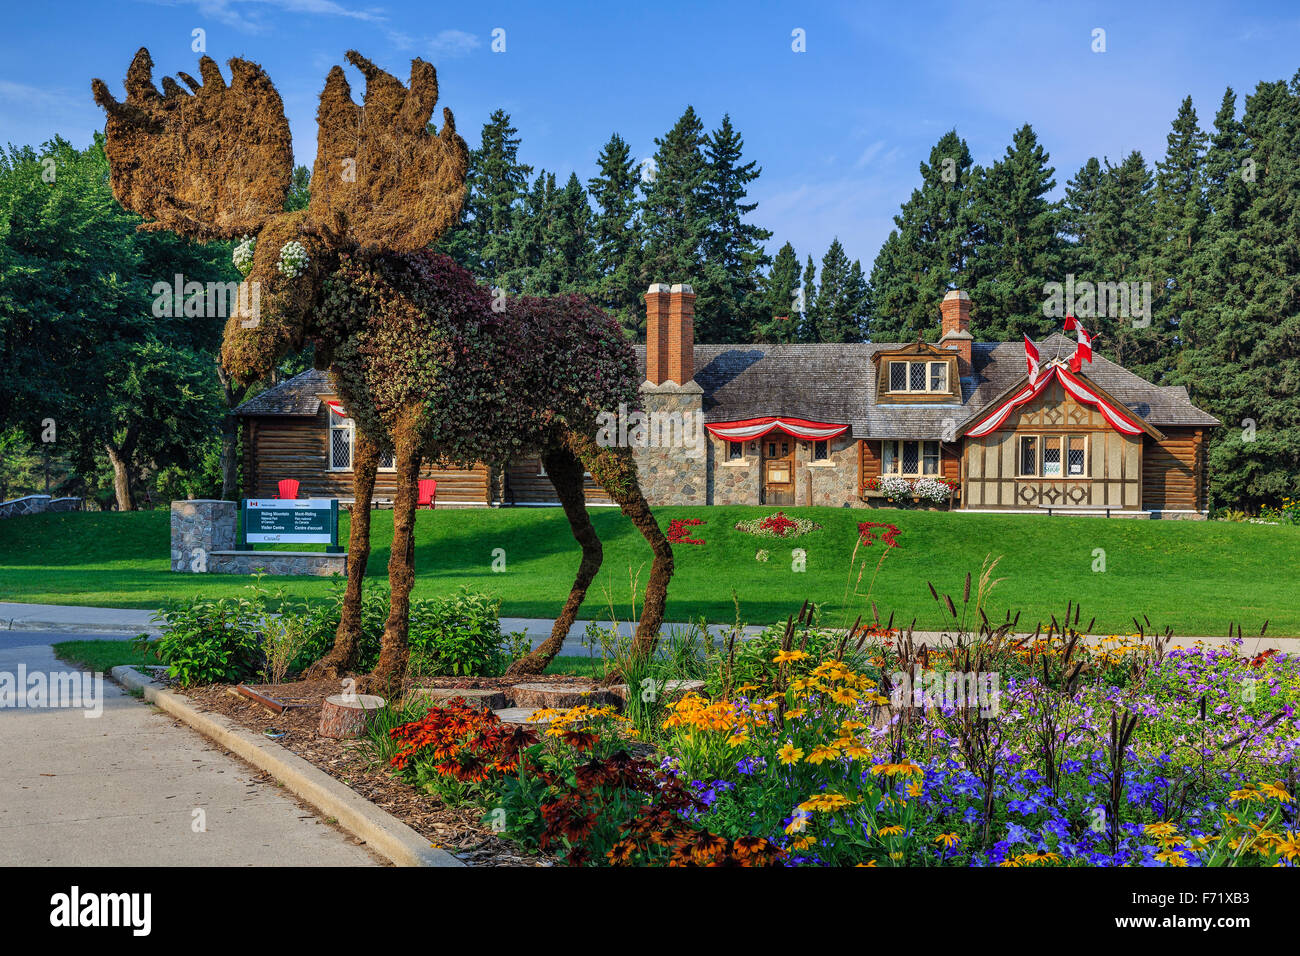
(678, 532)
(890, 534)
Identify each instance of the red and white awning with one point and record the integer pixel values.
(336, 408)
(1119, 418)
(756, 427)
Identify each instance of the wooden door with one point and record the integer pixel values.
(778, 468)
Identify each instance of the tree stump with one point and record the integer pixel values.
(344, 716)
(558, 696)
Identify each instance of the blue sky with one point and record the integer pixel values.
(839, 129)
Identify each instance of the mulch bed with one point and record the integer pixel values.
(455, 829)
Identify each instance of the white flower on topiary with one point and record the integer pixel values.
(293, 259)
(243, 255)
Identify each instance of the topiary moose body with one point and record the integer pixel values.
(420, 358)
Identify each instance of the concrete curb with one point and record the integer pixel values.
(382, 832)
(64, 627)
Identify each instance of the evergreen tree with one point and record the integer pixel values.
(1242, 362)
(495, 186)
(777, 320)
(808, 316)
(1179, 217)
(566, 257)
(1122, 253)
(675, 214)
(733, 248)
(299, 190)
(616, 238)
(839, 297)
(1079, 219)
(930, 249)
(1022, 248)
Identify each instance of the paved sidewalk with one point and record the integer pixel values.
(123, 788)
(127, 623)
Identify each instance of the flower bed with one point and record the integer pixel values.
(778, 525)
(814, 748)
(679, 530)
(897, 488)
(889, 536)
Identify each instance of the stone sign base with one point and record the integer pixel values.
(203, 541)
(277, 562)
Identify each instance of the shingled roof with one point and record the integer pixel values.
(835, 383)
(295, 397)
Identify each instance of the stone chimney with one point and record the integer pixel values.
(955, 328)
(670, 334)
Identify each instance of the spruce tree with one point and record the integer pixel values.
(838, 298)
(1022, 248)
(1242, 362)
(675, 214)
(616, 238)
(808, 315)
(1122, 250)
(1079, 219)
(1179, 217)
(733, 247)
(930, 249)
(777, 320)
(495, 186)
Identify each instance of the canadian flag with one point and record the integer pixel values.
(1031, 359)
(1083, 351)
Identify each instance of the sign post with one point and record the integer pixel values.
(290, 521)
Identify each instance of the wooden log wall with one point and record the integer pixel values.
(1173, 471)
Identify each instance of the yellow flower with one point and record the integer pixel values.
(802, 843)
(789, 754)
(784, 657)
(856, 751)
(948, 839)
(1162, 829)
(1276, 791)
(1247, 794)
(852, 726)
(896, 769)
(895, 856)
(822, 754)
(868, 863)
(894, 830)
(843, 695)
(1171, 858)
(796, 713)
(826, 802)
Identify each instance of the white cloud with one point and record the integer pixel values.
(249, 15)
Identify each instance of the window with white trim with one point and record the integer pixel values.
(918, 377)
(911, 459)
(1052, 456)
(343, 446)
(340, 442)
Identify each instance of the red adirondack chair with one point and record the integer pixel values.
(428, 493)
(288, 489)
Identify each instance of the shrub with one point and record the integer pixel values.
(458, 634)
(207, 642)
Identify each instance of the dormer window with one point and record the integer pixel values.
(914, 376)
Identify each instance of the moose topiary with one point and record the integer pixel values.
(421, 359)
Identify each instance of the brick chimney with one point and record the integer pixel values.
(656, 333)
(670, 334)
(955, 328)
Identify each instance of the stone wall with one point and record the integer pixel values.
(199, 528)
(37, 504)
(277, 562)
(829, 483)
(669, 472)
(732, 482)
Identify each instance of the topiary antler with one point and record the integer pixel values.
(382, 179)
(213, 164)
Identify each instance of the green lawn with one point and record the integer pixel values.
(103, 656)
(1195, 576)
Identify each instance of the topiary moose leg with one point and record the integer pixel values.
(614, 469)
(394, 648)
(565, 471)
(343, 656)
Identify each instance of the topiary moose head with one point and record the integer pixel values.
(215, 162)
